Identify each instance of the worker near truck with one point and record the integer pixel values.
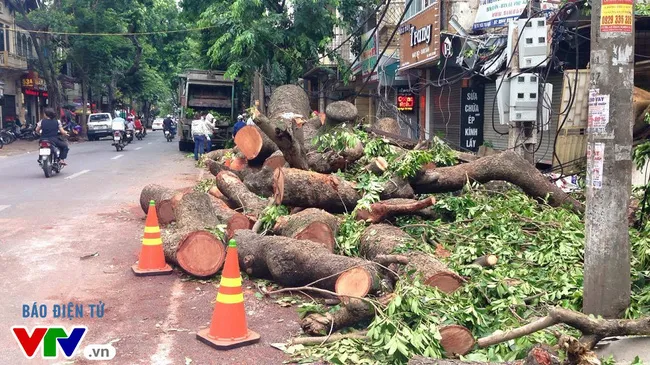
(198, 133)
(209, 129)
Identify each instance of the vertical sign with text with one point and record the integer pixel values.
(471, 118)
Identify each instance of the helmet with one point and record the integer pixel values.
(240, 117)
(169, 115)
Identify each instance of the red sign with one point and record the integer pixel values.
(405, 102)
(616, 16)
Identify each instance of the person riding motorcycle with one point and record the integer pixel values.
(168, 125)
(49, 129)
(118, 125)
(138, 125)
(130, 126)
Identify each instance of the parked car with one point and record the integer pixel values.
(157, 124)
(99, 125)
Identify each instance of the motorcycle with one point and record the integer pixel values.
(169, 135)
(48, 158)
(27, 134)
(129, 136)
(139, 135)
(118, 141)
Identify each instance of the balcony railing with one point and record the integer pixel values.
(12, 60)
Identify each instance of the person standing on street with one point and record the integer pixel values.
(209, 128)
(49, 129)
(198, 133)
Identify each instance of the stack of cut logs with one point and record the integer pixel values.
(276, 162)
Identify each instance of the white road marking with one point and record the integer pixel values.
(3, 207)
(77, 174)
(116, 157)
(150, 143)
(166, 339)
(139, 148)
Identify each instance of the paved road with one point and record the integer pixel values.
(47, 225)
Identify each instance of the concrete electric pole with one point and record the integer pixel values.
(607, 283)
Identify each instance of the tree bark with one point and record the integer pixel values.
(388, 125)
(298, 188)
(276, 160)
(377, 166)
(386, 209)
(232, 219)
(538, 355)
(162, 196)
(219, 155)
(506, 166)
(329, 161)
(486, 261)
(254, 144)
(392, 138)
(310, 224)
(340, 112)
(353, 312)
(290, 262)
(233, 188)
(260, 182)
(384, 239)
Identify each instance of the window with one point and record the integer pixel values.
(2, 37)
(19, 45)
(30, 49)
(25, 49)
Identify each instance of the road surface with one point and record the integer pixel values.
(47, 225)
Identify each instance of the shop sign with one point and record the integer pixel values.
(368, 56)
(33, 85)
(405, 101)
(497, 13)
(420, 38)
(471, 118)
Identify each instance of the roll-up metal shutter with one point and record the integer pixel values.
(445, 105)
(500, 142)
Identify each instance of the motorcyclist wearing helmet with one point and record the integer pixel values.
(168, 124)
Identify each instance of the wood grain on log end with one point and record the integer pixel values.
(318, 232)
(165, 212)
(201, 254)
(275, 161)
(354, 282)
(238, 163)
(446, 282)
(249, 141)
(456, 340)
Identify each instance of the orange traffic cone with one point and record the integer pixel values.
(152, 257)
(228, 328)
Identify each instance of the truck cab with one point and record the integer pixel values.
(206, 91)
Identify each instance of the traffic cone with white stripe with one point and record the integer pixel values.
(152, 257)
(228, 328)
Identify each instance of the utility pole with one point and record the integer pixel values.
(607, 282)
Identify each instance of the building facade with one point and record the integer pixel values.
(15, 48)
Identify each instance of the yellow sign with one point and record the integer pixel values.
(616, 16)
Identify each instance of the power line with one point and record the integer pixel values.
(187, 30)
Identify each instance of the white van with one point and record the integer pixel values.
(99, 125)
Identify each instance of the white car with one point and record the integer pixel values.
(99, 125)
(157, 124)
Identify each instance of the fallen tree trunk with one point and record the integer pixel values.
(330, 161)
(388, 125)
(392, 138)
(506, 166)
(254, 144)
(386, 209)
(162, 196)
(290, 262)
(197, 252)
(260, 182)
(233, 188)
(593, 329)
(384, 239)
(232, 219)
(288, 110)
(340, 112)
(310, 224)
(377, 166)
(219, 155)
(353, 312)
(298, 188)
(396, 188)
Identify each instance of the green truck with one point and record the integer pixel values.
(206, 91)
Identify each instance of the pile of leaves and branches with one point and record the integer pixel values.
(540, 265)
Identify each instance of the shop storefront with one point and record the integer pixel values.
(34, 91)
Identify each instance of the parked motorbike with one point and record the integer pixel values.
(48, 158)
(27, 134)
(118, 141)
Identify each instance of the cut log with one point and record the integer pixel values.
(199, 253)
(396, 188)
(244, 170)
(260, 182)
(232, 219)
(310, 224)
(254, 144)
(356, 282)
(329, 161)
(340, 112)
(298, 188)
(276, 160)
(232, 187)
(288, 110)
(392, 138)
(377, 166)
(162, 196)
(218, 155)
(456, 340)
(215, 192)
(310, 130)
(238, 163)
(388, 125)
(506, 166)
(384, 239)
(486, 260)
(290, 262)
(386, 209)
(195, 211)
(353, 312)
